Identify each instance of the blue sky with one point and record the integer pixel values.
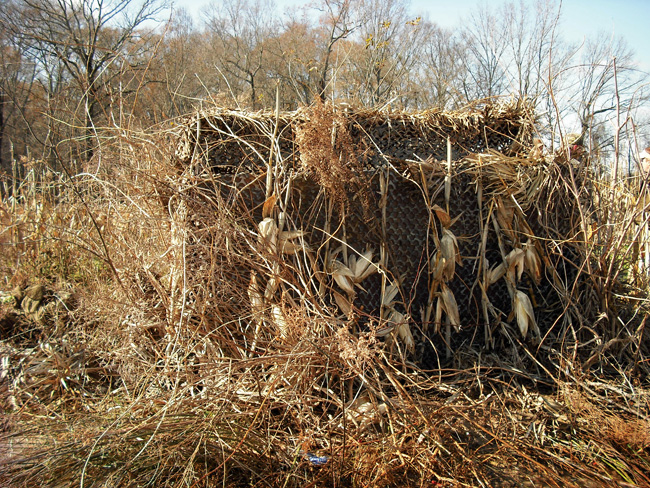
(629, 19)
(580, 19)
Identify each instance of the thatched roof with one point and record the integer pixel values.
(501, 126)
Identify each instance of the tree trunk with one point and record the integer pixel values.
(91, 115)
(2, 128)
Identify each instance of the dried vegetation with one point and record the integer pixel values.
(242, 308)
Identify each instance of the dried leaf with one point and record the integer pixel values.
(344, 304)
(395, 317)
(345, 283)
(290, 234)
(437, 267)
(402, 329)
(288, 247)
(267, 208)
(343, 276)
(443, 217)
(362, 266)
(505, 215)
(339, 268)
(363, 412)
(446, 233)
(404, 333)
(385, 329)
(450, 253)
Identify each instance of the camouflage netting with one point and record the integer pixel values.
(434, 229)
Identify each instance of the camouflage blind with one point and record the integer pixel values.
(411, 193)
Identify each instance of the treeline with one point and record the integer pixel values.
(70, 69)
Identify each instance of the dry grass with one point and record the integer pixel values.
(329, 155)
(204, 342)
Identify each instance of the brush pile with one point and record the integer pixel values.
(320, 298)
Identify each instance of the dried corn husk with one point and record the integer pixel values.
(449, 305)
(516, 260)
(362, 266)
(387, 299)
(533, 262)
(443, 217)
(268, 233)
(272, 238)
(404, 333)
(450, 253)
(384, 329)
(402, 329)
(505, 216)
(269, 205)
(495, 274)
(288, 247)
(524, 314)
(290, 234)
(343, 276)
(438, 267)
(363, 412)
(279, 320)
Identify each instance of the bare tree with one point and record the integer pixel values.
(442, 71)
(485, 48)
(294, 61)
(534, 50)
(309, 53)
(602, 64)
(338, 21)
(240, 31)
(83, 36)
(10, 83)
(181, 73)
(390, 45)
